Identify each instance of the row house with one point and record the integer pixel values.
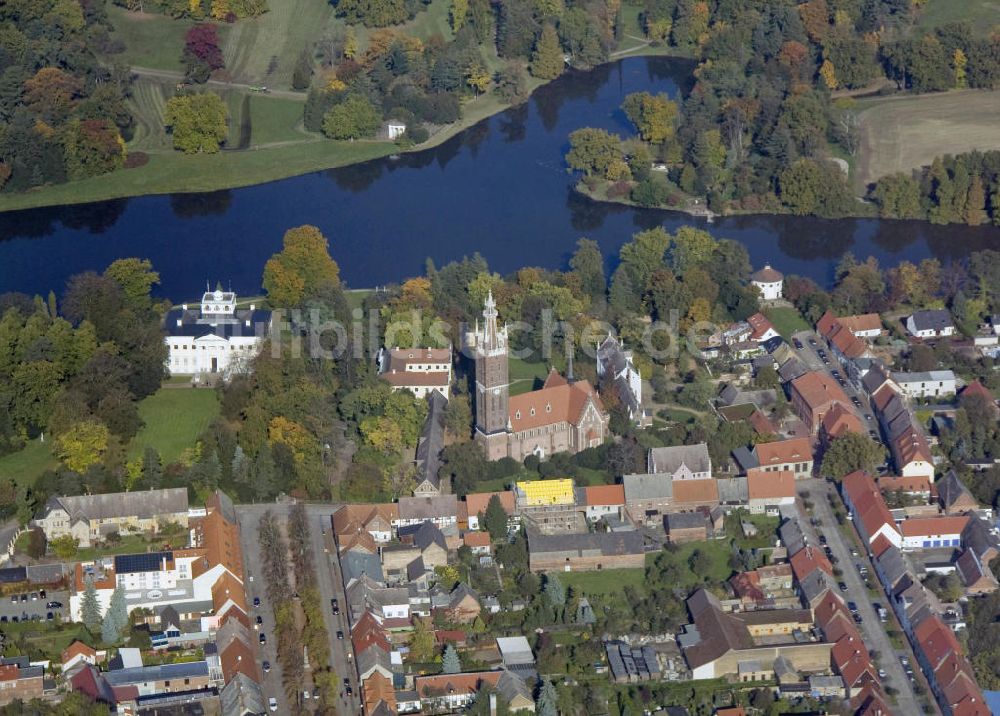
(813, 395)
(868, 509)
(933, 532)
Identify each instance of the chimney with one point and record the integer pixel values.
(179, 322)
(184, 307)
(253, 306)
(493, 705)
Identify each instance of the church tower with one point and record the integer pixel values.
(492, 385)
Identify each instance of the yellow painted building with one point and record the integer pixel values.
(537, 493)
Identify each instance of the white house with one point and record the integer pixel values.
(929, 384)
(933, 532)
(770, 282)
(930, 324)
(214, 337)
(395, 129)
(615, 364)
(418, 370)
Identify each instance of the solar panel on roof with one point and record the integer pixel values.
(149, 562)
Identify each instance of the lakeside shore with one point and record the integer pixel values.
(178, 173)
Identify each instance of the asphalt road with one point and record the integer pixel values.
(331, 586)
(272, 684)
(872, 630)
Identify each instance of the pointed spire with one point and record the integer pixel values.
(491, 335)
(569, 369)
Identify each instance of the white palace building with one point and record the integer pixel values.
(211, 338)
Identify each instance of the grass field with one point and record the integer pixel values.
(152, 40)
(900, 135)
(982, 15)
(606, 581)
(26, 465)
(786, 320)
(524, 376)
(174, 417)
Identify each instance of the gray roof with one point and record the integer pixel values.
(429, 534)
(978, 537)
(935, 319)
(244, 323)
(460, 592)
(183, 670)
(792, 369)
(792, 536)
(928, 376)
(648, 487)
(746, 457)
(815, 585)
(431, 441)
(606, 543)
(875, 378)
(355, 564)
(510, 686)
(733, 489)
(951, 490)
(226, 507)
(685, 520)
(669, 459)
(892, 565)
(416, 570)
(143, 504)
(426, 508)
(242, 696)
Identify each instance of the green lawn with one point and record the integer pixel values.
(174, 417)
(178, 173)
(46, 640)
(25, 466)
(767, 527)
(523, 375)
(982, 15)
(131, 544)
(602, 582)
(586, 476)
(786, 320)
(275, 119)
(152, 40)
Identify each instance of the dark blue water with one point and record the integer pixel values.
(499, 188)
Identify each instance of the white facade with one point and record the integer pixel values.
(932, 541)
(920, 332)
(395, 130)
(418, 370)
(926, 385)
(769, 282)
(214, 338)
(596, 512)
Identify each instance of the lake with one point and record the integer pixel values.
(499, 188)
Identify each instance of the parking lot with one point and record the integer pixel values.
(34, 604)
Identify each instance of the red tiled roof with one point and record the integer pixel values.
(476, 539)
(78, 648)
(469, 683)
(935, 640)
(818, 389)
(760, 325)
(926, 526)
(808, 560)
(763, 485)
(478, 501)
(417, 378)
(880, 544)
(839, 421)
(862, 322)
(868, 502)
(695, 491)
(911, 483)
(557, 402)
(604, 495)
(782, 452)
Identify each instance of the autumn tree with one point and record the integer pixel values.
(592, 151)
(301, 268)
(652, 115)
(83, 445)
(92, 146)
(897, 197)
(52, 94)
(198, 122)
(547, 61)
(202, 54)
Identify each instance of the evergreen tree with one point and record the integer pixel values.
(241, 466)
(152, 470)
(495, 519)
(90, 608)
(555, 591)
(588, 265)
(975, 205)
(548, 699)
(547, 61)
(450, 663)
(262, 474)
(115, 619)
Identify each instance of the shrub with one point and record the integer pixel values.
(136, 159)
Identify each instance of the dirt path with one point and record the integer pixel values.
(172, 76)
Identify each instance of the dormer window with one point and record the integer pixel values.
(517, 415)
(532, 412)
(548, 407)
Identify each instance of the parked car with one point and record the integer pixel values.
(797, 343)
(266, 666)
(259, 620)
(812, 342)
(340, 634)
(54, 605)
(272, 703)
(852, 606)
(24, 597)
(263, 638)
(41, 593)
(822, 539)
(256, 601)
(13, 599)
(50, 616)
(34, 596)
(840, 585)
(306, 694)
(857, 617)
